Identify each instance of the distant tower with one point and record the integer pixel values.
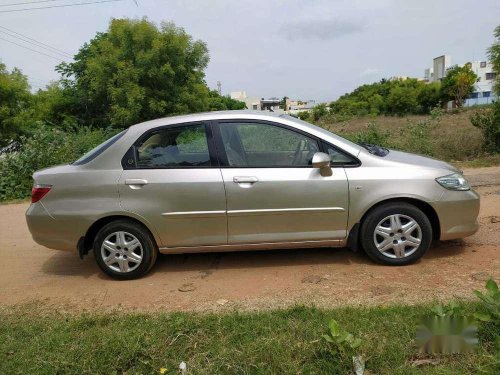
(219, 87)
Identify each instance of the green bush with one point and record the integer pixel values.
(371, 135)
(46, 147)
(417, 138)
(304, 115)
(388, 97)
(489, 122)
(321, 110)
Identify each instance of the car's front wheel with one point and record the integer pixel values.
(125, 250)
(396, 233)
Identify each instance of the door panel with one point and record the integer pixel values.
(285, 205)
(272, 192)
(186, 206)
(176, 186)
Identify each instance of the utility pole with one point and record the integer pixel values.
(219, 87)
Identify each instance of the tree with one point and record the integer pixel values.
(402, 101)
(15, 97)
(429, 96)
(488, 120)
(136, 71)
(494, 54)
(458, 84)
(221, 103)
(388, 97)
(283, 103)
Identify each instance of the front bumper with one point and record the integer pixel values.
(457, 212)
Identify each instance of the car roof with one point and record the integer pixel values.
(206, 116)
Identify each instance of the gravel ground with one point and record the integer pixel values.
(252, 280)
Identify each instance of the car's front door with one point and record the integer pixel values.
(273, 193)
(174, 182)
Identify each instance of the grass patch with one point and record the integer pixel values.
(271, 342)
(483, 161)
(15, 201)
(446, 136)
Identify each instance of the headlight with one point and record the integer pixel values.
(453, 181)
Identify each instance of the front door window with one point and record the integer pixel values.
(262, 145)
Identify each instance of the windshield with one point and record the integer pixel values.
(99, 149)
(374, 149)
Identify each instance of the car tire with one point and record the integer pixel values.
(125, 250)
(396, 234)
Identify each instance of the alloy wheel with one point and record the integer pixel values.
(397, 236)
(122, 252)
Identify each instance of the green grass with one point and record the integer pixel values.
(42, 341)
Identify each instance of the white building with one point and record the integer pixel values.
(252, 102)
(483, 89)
(438, 69)
(295, 106)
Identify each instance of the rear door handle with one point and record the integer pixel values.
(245, 179)
(136, 183)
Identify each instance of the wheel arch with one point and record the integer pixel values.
(425, 207)
(86, 243)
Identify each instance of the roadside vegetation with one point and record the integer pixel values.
(299, 340)
(46, 146)
(449, 136)
(398, 97)
(137, 71)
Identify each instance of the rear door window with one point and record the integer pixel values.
(174, 147)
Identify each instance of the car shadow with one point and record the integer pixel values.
(445, 249)
(208, 262)
(68, 264)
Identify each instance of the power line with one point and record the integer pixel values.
(34, 42)
(58, 6)
(28, 2)
(31, 49)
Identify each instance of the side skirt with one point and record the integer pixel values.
(247, 247)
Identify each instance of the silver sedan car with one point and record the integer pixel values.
(225, 181)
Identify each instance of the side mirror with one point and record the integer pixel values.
(322, 161)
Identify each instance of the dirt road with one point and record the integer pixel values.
(249, 280)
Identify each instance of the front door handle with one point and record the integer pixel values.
(136, 183)
(245, 179)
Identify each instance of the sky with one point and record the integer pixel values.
(304, 49)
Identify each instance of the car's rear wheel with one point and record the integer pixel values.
(396, 233)
(125, 250)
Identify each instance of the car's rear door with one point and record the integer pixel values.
(273, 194)
(171, 178)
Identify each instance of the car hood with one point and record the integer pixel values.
(419, 160)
